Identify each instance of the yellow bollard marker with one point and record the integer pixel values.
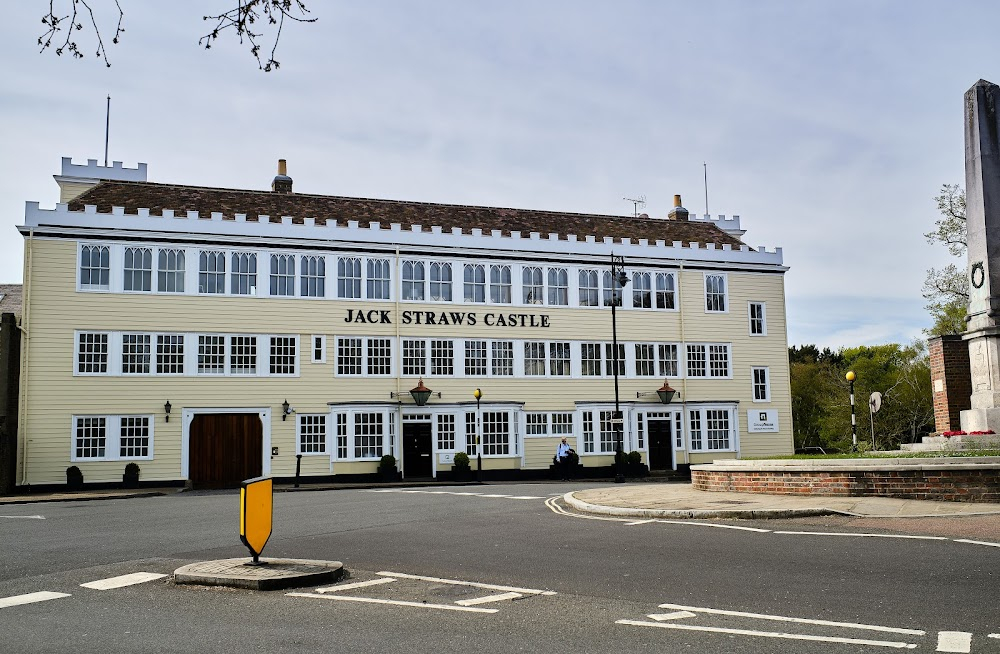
(256, 514)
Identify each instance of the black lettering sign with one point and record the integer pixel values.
(448, 318)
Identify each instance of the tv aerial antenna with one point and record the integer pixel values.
(636, 202)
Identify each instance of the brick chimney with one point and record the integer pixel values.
(678, 212)
(282, 183)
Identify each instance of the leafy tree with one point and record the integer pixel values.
(821, 408)
(266, 16)
(946, 290)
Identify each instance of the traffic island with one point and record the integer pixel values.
(268, 574)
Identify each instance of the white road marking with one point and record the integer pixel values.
(994, 636)
(833, 533)
(359, 584)
(427, 492)
(771, 634)
(473, 584)
(123, 580)
(676, 615)
(30, 598)
(977, 542)
(710, 524)
(23, 517)
(781, 618)
(372, 600)
(954, 641)
(489, 598)
(638, 522)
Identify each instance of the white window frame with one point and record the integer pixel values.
(366, 344)
(413, 284)
(448, 284)
(308, 281)
(702, 411)
(755, 384)
(278, 277)
(112, 438)
(318, 342)
(178, 272)
(324, 444)
(341, 446)
(378, 288)
(475, 285)
(555, 287)
(141, 250)
(675, 293)
(80, 286)
(763, 317)
(109, 355)
(725, 292)
(250, 275)
(215, 254)
(536, 286)
(349, 285)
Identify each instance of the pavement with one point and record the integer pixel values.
(640, 500)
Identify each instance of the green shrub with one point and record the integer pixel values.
(387, 461)
(461, 460)
(633, 458)
(132, 470)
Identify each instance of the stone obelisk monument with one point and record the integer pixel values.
(982, 196)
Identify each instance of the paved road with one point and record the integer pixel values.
(544, 580)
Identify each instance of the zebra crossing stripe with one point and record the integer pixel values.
(30, 598)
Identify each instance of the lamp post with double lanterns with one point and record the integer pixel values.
(618, 280)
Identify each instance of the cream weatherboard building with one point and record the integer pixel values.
(210, 335)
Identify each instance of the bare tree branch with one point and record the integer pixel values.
(69, 23)
(265, 16)
(247, 14)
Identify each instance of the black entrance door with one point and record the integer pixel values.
(661, 446)
(417, 450)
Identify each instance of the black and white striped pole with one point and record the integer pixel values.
(854, 424)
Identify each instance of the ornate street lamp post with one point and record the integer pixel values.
(618, 281)
(478, 394)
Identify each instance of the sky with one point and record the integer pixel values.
(827, 126)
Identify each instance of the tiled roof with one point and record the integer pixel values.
(10, 299)
(157, 197)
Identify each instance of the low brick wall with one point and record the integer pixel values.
(965, 480)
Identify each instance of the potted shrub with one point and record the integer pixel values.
(74, 478)
(634, 467)
(387, 468)
(131, 477)
(461, 470)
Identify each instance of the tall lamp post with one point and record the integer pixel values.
(854, 426)
(478, 394)
(618, 281)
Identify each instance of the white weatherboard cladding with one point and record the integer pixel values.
(192, 225)
(48, 390)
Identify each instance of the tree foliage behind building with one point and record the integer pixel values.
(821, 409)
(947, 289)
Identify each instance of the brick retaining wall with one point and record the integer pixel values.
(960, 484)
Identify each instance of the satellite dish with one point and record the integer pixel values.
(875, 402)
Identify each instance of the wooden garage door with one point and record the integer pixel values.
(225, 449)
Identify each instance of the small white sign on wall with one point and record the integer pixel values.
(447, 457)
(762, 420)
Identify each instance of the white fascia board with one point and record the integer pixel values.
(191, 224)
